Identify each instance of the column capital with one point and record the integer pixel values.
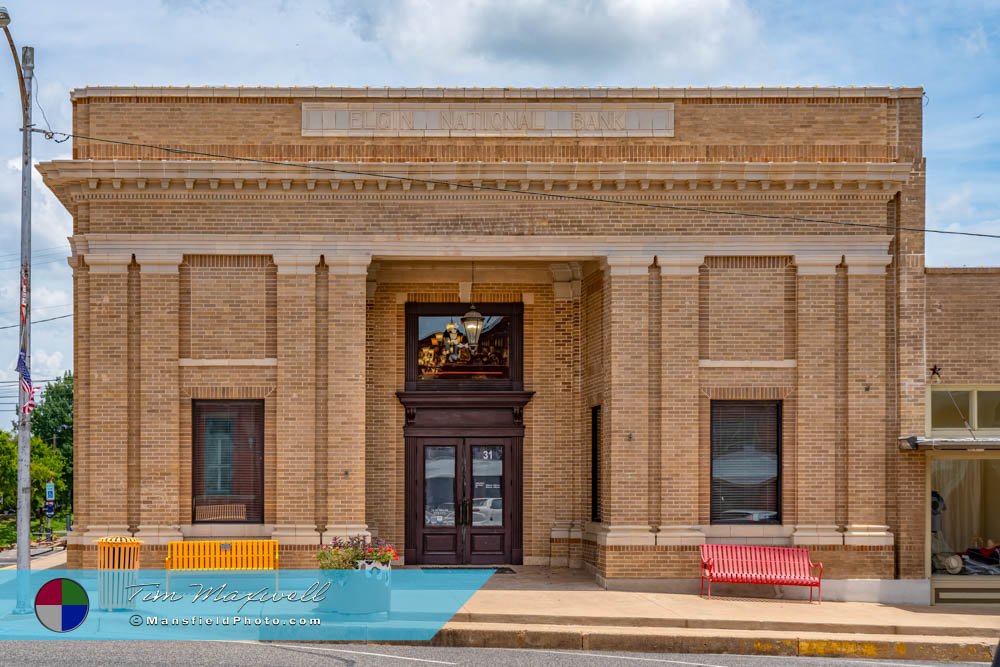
(566, 280)
(356, 265)
(680, 265)
(108, 262)
(296, 264)
(626, 265)
(159, 262)
(867, 265)
(817, 265)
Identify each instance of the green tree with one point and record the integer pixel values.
(52, 420)
(46, 466)
(8, 471)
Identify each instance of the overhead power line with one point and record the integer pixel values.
(34, 322)
(34, 381)
(549, 195)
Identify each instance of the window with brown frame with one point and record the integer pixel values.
(439, 356)
(227, 462)
(746, 462)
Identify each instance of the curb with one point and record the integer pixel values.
(725, 624)
(654, 640)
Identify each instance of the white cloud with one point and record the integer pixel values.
(949, 250)
(570, 42)
(975, 42)
(957, 204)
(498, 43)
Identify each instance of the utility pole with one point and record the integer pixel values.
(25, 69)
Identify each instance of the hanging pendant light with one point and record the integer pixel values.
(472, 321)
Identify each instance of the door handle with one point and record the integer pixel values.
(466, 514)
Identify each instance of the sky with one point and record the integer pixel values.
(950, 48)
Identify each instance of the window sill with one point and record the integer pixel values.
(224, 530)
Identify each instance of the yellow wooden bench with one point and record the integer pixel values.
(222, 555)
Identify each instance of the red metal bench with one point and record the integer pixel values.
(750, 564)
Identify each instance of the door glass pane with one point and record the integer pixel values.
(439, 486)
(487, 486)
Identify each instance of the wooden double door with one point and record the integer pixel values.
(464, 500)
(463, 477)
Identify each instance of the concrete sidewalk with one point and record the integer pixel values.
(566, 609)
(41, 559)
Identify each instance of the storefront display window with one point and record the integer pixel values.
(965, 520)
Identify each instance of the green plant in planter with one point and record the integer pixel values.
(347, 553)
(356, 589)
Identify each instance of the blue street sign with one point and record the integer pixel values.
(50, 491)
(50, 510)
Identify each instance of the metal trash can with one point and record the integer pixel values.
(118, 568)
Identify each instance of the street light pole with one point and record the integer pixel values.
(25, 69)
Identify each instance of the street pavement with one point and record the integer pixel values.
(241, 654)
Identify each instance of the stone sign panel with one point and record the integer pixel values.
(333, 119)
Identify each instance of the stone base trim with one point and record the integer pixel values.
(93, 533)
(859, 535)
(679, 535)
(159, 534)
(807, 535)
(230, 531)
(629, 534)
(344, 530)
(296, 534)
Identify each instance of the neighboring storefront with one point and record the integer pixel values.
(569, 327)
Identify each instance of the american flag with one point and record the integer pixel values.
(29, 389)
(24, 296)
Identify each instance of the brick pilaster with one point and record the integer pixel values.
(816, 315)
(81, 395)
(348, 338)
(679, 455)
(159, 400)
(910, 468)
(295, 507)
(625, 509)
(107, 473)
(866, 390)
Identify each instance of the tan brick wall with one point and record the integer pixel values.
(747, 309)
(346, 417)
(817, 388)
(866, 391)
(160, 400)
(297, 211)
(107, 446)
(631, 342)
(963, 324)
(625, 415)
(683, 562)
(679, 460)
(228, 307)
(754, 130)
(295, 445)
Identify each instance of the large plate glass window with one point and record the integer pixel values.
(746, 462)
(439, 356)
(228, 462)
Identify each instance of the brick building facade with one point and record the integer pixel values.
(628, 333)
